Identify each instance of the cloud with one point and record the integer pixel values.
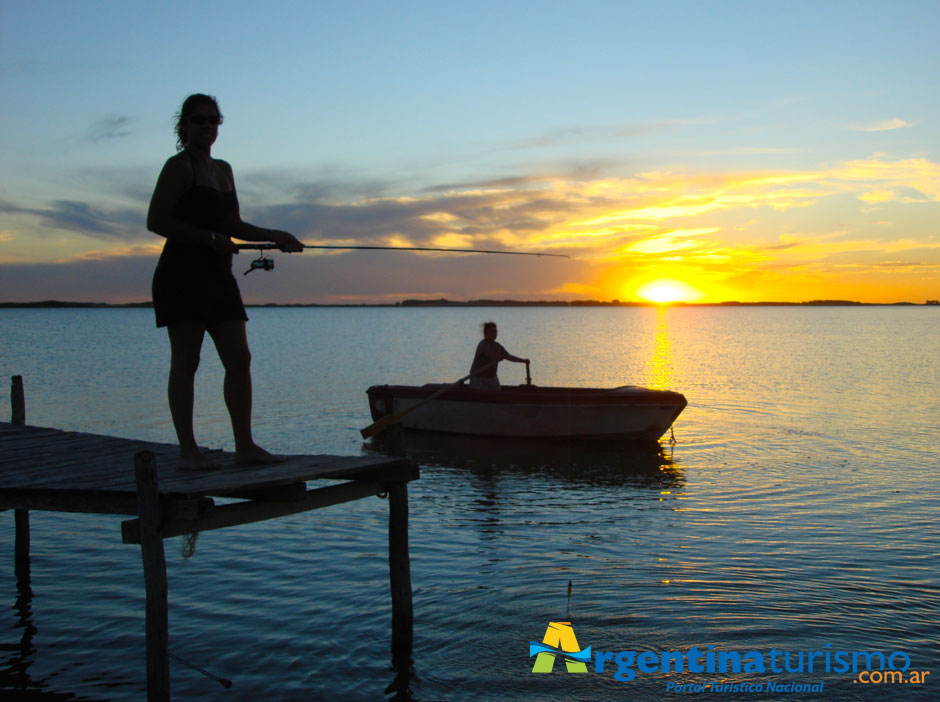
(782, 246)
(877, 196)
(643, 217)
(745, 150)
(883, 126)
(913, 174)
(83, 218)
(902, 195)
(603, 133)
(109, 128)
(117, 252)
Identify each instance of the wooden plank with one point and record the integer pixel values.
(13, 432)
(101, 502)
(399, 471)
(8, 428)
(91, 458)
(254, 511)
(58, 444)
(36, 457)
(280, 493)
(49, 440)
(70, 501)
(294, 469)
(93, 455)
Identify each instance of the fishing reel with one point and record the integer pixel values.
(264, 263)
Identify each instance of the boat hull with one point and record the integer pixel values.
(527, 411)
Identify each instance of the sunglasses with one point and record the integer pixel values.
(202, 119)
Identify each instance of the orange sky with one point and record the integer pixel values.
(862, 230)
(749, 158)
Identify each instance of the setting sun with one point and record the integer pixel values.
(667, 290)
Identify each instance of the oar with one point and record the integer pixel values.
(378, 426)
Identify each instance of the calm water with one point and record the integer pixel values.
(798, 508)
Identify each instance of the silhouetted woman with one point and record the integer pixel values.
(194, 206)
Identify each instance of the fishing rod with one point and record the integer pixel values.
(266, 263)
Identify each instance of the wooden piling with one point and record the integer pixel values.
(18, 400)
(399, 562)
(394, 438)
(20, 516)
(154, 560)
(399, 570)
(21, 544)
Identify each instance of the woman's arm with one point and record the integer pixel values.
(249, 232)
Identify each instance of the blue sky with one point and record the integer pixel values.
(649, 140)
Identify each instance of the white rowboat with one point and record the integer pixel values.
(530, 411)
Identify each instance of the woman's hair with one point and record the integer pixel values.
(487, 325)
(182, 117)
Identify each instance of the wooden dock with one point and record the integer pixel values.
(50, 469)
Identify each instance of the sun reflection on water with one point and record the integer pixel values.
(660, 365)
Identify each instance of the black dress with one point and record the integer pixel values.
(193, 282)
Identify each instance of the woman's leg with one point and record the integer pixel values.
(185, 345)
(231, 341)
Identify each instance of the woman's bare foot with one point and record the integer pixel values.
(257, 456)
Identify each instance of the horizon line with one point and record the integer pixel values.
(486, 302)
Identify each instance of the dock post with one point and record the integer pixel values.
(18, 400)
(154, 560)
(394, 440)
(20, 516)
(21, 544)
(399, 569)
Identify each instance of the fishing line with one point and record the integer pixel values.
(224, 682)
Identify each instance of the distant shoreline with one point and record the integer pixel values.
(54, 304)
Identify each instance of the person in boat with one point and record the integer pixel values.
(195, 208)
(489, 353)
